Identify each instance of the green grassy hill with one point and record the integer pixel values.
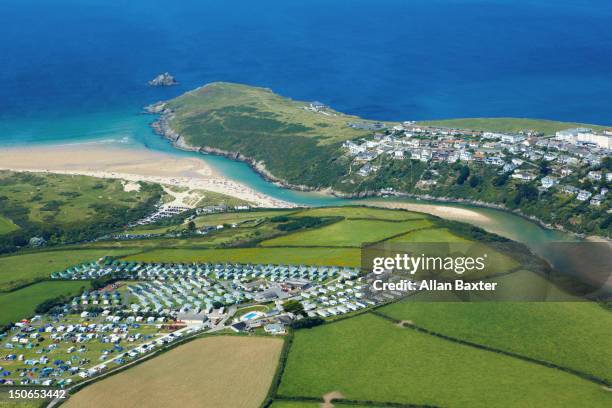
(295, 144)
(64, 208)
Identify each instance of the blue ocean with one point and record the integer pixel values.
(77, 69)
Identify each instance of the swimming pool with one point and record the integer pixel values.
(250, 315)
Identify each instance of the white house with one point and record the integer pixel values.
(275, 328)
(512, 138)
(523, 175)
(548, 182)
(583, 195)
(596, 200)
(594, 175)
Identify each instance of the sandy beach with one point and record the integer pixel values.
(450, 213)
(130, 164)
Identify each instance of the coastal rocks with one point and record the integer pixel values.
(162, 126)
(156, 108)
(164, 79)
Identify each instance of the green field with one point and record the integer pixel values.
(304, 404)
(362, 212)
(17, 270)
(311, 256)
(21, 303)
(548, 127)
(429, 235)
(237, 217)
(348, 233)
(368, 358)
(7, 225)
(227, 237)
(570, 334)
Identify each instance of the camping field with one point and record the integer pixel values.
(215, 372)
(532, 329)
(369, 358)
(17, 270)
(21, 303)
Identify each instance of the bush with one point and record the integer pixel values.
(307, 323)
(293, 306)
(299, 223)
(280, 218)
(474, 181)
(50, 304)
(464, 173)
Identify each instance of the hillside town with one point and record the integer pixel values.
(516, 154)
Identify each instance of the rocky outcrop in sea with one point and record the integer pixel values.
(164, 79)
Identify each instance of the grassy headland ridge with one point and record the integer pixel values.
(278, 136)
(300, 145)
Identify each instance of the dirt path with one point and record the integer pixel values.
(329, 397)
(404, 323)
